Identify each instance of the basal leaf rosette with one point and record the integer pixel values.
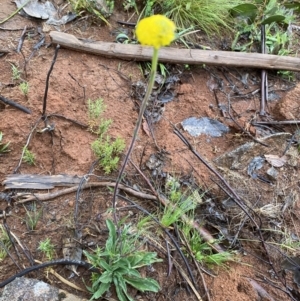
(155, 31)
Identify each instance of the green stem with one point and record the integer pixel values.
(137, 126)
(14, 13)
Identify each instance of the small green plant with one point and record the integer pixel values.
(28, 156)
(32, 216)
(97, 125)
(95, 109)
(3, 147)
(16, 73)
(5, 243)
(289, 75)
(179, 203)
(185, 203)
(202, 251)
(47, 248)
(106, 149)
(120, 261)
(123, 38)
(104, 126)
(24, 87)
(274, 15)
(144, 224)
(100, 10)
(162, 68)
(129, 4)
(210, 16)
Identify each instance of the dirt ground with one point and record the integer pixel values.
(77, 77)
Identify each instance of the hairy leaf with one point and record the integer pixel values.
(101, 290)
(106, 277)
(111, 241)
(143, 284)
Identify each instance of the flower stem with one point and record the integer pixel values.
(137, 126)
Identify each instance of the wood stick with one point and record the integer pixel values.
(29, 197)
(176, 55)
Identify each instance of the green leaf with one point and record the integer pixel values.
(104, 265)
(101, 290)
(112, 229)
(295, 6)
(112, 237)
(96, 283)
(120, 293)
(89, 289)
(106, 277)
(90, 257)
(122, 263)
(133, 273)
(122, 271)
(121, 282)
(135, 259)
(144, 258)
(143, 284)
(123, 286)
(246, 10)
(122, 37)
(275, 18)
(272, 11)
(151, 257)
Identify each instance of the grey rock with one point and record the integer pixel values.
(204, 125)
(272, 173)
(27, 289)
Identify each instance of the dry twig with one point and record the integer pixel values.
(25, 197)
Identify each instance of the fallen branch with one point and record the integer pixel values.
(274, 122)
(178, 56)
(34, 181)
(48, 196)
(13, 182)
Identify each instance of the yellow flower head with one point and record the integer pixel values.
(155, 31)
